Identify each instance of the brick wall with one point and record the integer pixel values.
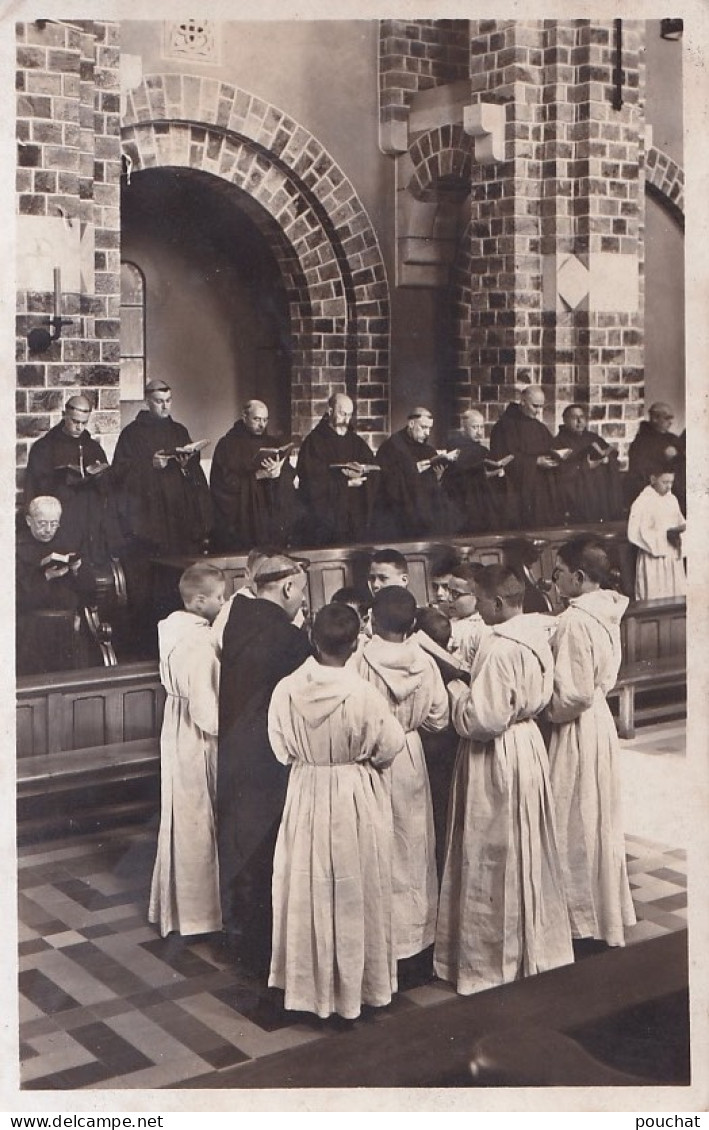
(68, 166)
(543, 282)
(417, 55)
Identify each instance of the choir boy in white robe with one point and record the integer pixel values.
(467, 625)
(332, 917)
(655, 526)
(584, 750)
(412, 685)
(184, 894)
(502, 913)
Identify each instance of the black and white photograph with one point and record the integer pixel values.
(355, 484)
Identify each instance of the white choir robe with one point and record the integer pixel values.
(583, 767)
(184, 894)
(502, 913)
(412, 685)
(659, 570)
(466, 636)
(332, 919)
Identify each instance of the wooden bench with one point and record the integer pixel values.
(648, 675)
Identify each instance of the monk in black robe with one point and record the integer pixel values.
(260, 647)
(336, 497)
(246, 484)
(164, 506)
(479, 493)
(49, 632)
(589, 482)
(68, 464)
(410, 502)
(532, 473)
(653, 447)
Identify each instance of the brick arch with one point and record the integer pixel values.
(309, 213)
(664, 179)
(442, 163)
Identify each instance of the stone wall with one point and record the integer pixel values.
(68, 186)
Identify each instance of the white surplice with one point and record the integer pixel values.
(412, 685)
(184, 894)
(466, 636)
(583, 767)
(502, 912)
(332, 920)
(659, 570)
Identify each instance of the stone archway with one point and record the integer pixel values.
(311, 216)
(664, 179)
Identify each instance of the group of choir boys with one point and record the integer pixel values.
(534, 848)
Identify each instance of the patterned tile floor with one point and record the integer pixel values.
(105, 1003)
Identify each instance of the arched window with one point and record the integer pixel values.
(132, 332)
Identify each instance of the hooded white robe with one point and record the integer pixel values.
(466, 636)
(583, 767)
(332, 928)
(412, 685)
(184, 894)
(502, 912)
(659, 569)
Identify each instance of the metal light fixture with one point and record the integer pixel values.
(40, 339)
(671, 29)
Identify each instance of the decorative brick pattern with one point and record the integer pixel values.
(665, 179)
(416, 55)
(69, 165)
(310, 214)
(442, 163)
(572, 184)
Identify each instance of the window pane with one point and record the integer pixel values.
(132, 378)
(131, 331)
(131, 285)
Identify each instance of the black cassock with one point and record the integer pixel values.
(409, 503)
(587, 493)
(535, 487)
(164, 511)
(479, 503)
(260, 647)
(248, 512)
(45, 609)
(89, 516)
(648, 452)
(337, 514)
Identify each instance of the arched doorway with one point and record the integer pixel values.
(217, 319)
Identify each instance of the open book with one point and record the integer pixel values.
(498, 464)
(89, 471)
(273, 453)
(449, 665)
(185, 449)
(560, 454)
(59, 559)
(440, 459)
(359, 468)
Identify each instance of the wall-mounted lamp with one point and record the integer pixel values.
(40, 339)
(671, 29)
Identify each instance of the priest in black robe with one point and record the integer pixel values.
(164, 505)
(49, 595)
(246, 484)
(335, 487)
(68, 464)
(589, 482)
(654, 446)
(521, 432)
(479, 494)
(260, 647)
(410, 502)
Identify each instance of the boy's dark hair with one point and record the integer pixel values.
(443, 562)
(335, 629)
(435, 624)
(588, 554)
(394, 609)
(498, 580)
(468, 571)
(200, 579)
(390, 557)
(658, 468)
(361, 599)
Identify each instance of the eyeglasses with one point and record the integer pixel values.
(455, 593)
